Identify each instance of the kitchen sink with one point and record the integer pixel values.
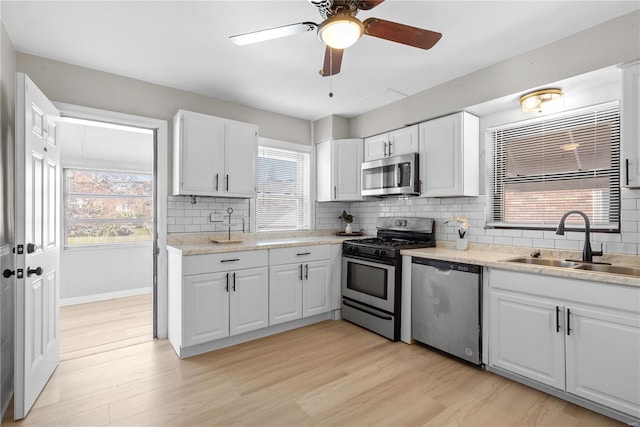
(546, 262)
(614, 269)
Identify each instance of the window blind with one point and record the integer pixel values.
(544, 167)
(284, 190)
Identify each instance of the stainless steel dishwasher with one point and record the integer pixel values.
(445, 307)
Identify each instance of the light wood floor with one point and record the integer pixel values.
(101, 326)
(331, 373)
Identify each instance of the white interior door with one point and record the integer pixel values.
(38, 232)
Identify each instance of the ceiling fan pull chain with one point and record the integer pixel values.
(331, 75)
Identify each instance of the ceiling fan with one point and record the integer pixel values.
(341, 29)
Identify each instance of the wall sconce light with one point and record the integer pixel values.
(533, 102)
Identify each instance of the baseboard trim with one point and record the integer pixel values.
(104, 296)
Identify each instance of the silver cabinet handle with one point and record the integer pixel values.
(230, 260)
(303, 253)
(390, 147)
(234, 282)
(216, 182)
(306, 271)
(385, 149)
(227, 282)
(227, 186)
(300, 271)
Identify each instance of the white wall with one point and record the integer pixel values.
(102, 273)
(7, 206)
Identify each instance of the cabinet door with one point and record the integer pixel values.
(201, 154)
(205, 308)
(376, 147)
(249, 300)
(441, 157)
(316, 290)
(403, 141)
(347, 169)
(631, 126)
(527, 338)
(241, 156)
(285, 293)
(603, 358)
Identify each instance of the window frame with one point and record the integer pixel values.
(491, 223)
(290, 146)
(106, 245)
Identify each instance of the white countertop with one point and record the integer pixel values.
(497, 259)
(206, 246)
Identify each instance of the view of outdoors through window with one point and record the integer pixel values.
(107, 207)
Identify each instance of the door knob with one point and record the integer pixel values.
(8, 273)
(37, 271)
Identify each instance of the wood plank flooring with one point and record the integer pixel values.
(105, 325)
(331, 373)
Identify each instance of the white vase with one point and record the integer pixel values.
(348, 229)
(462, 244)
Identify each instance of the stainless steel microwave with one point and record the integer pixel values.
(391, 176)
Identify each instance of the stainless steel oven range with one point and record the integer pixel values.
(372, 272)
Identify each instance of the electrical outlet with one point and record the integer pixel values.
(216, 217)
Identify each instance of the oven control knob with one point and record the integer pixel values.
(376, 252)
(354, 249)
(383, 253)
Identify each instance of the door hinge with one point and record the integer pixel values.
(20, 274)
(20, 249)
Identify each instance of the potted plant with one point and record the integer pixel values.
(463, 224)
(348, 219)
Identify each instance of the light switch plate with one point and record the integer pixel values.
(215, 217)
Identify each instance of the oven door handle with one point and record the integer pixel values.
(345, 302)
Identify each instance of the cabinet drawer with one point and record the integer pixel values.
(211, 263)
(299, 254)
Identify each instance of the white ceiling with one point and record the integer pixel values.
(184, 45)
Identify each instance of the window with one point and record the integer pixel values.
(284, 188)
(544, 167)
(104, 207)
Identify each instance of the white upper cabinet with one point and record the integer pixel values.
(339, 165)
(449, 156)
(394, 143)
(213, 156)
(630, 163)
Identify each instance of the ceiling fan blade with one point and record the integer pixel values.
(273, 33)
(367, 4)
(400, 33)
(332, 61)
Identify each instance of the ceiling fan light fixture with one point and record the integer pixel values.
(340, 31)
(533, 102)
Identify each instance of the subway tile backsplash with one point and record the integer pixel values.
(185, 217)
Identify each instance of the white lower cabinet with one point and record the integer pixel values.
(299, 282)
(215, 296)
(582, 338)
(523, 339)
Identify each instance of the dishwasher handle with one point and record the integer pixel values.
(447, 265)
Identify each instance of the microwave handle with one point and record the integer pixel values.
(399, 175)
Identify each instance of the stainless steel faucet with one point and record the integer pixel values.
(587, 253)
